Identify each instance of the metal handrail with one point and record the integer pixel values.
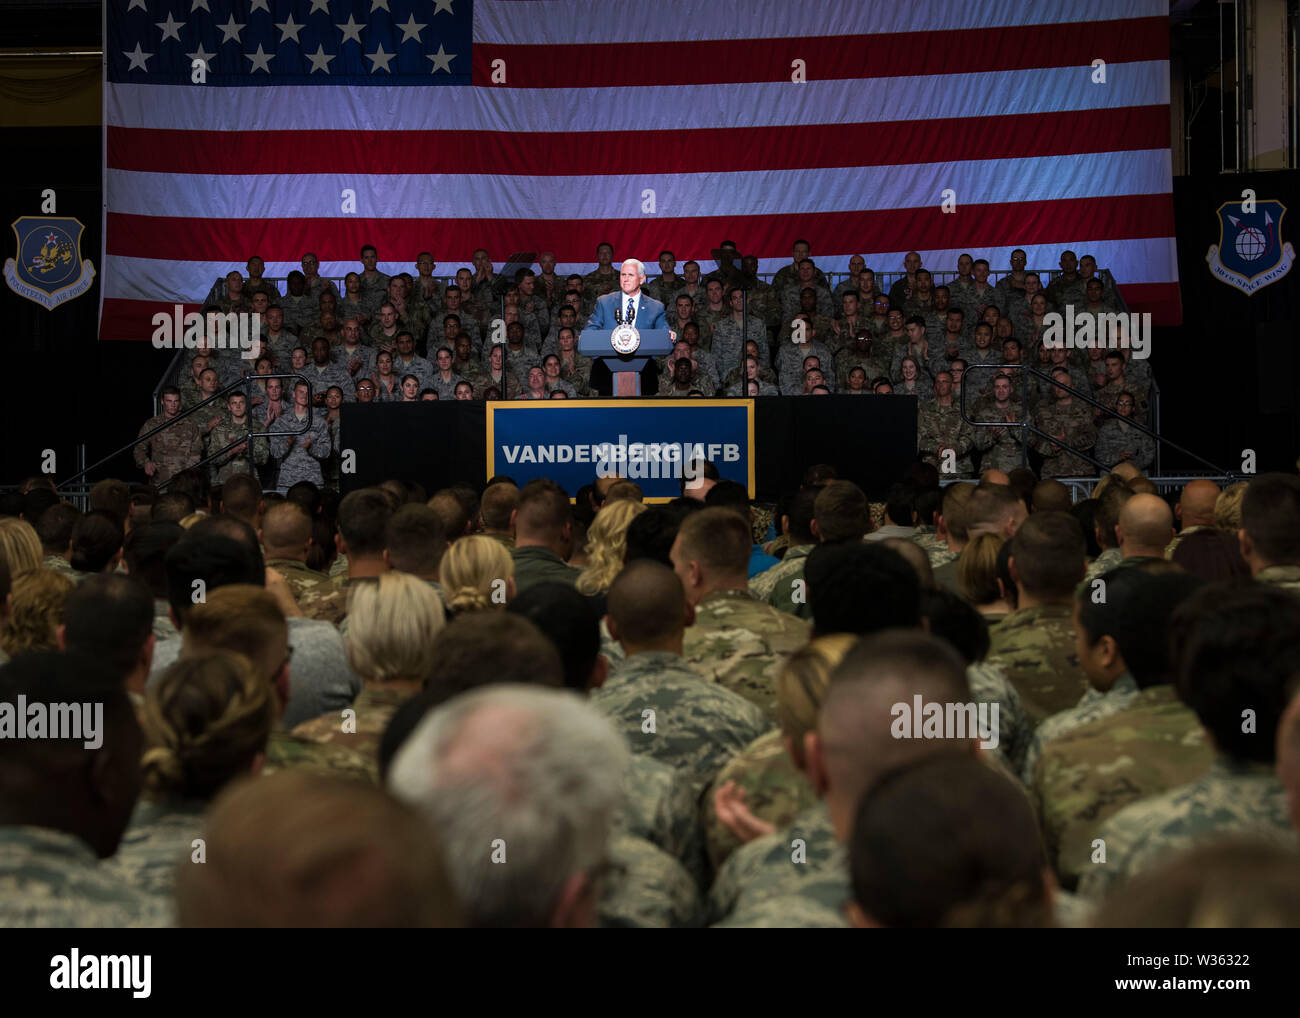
(1026, 370)
(941, 276)
(246, 383)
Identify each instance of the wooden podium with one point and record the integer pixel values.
(625, 368)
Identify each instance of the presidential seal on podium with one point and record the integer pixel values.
(625, 339)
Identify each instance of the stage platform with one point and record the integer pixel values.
(869, 439)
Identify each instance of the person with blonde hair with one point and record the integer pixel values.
(978, 580)
(477, 573)
(20, 547)
(765, 787)
(392, 623)
(1227, 507)
(206, 722)
(606, 543)
(36, 611)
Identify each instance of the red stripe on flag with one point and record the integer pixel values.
(123, 319)
(985, 226)
(721, 150)
(826, 58)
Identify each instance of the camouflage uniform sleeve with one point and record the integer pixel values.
(647, 889)
(141, 450)
(659, 806)
(279, 442)
(1108, 445)
(1080, 431)
(775, 791)
(1119, 835)
(989, 685)
(195, 450)
(321, 447)
(1144, 450)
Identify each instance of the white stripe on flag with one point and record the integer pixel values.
(763, 104)
(547, 22)
(758, 192)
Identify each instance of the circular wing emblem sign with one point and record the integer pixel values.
(625, 339)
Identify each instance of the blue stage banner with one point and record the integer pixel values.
(647, 441)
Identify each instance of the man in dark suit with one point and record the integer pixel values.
(649, 314)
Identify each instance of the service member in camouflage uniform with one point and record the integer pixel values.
(235, 428)
(298, 455)
(172, 450)
(1069, 422)
(1084, 776)
(799, 542)
(1068, 287)
(784, 867)
(286, 536)
(765, 785)
(374, 284)
(58, 822)
(665, 708)
(360, 727)
(1001, 445)
(393, 668)
(773, 788)
(940, 428)
(732, 331)
(741, 643)
(840, 513)
(664, 286)
(648, 889)
(856, 741)
(1235, 644)
(736, 641)
(604, 278)
(1117, 440)
(52, 879)
(1130, 624)
(659, 806)
(1034, 645)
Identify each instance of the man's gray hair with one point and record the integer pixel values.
(529, 775)
(640, 266)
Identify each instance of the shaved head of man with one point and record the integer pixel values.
(1146, 526)
(854, 743)
(1050, 495)
(1195, 506)
(286, 531)
(647, 608)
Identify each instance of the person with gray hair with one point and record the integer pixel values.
(522, 785)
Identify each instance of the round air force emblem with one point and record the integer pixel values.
(625, 339)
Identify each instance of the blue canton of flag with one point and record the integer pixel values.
(290, 42)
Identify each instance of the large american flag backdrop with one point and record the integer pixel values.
(516, 125)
